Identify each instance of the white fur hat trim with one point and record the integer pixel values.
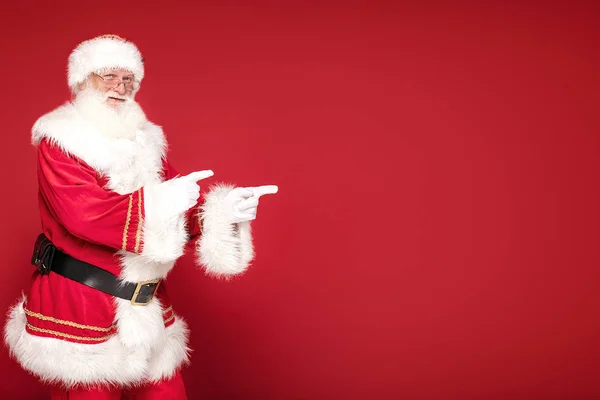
(104, 52)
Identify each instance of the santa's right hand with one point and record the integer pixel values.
(185, 190)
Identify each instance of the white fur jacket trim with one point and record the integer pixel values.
(143, 348)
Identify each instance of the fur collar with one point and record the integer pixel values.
(128, 163)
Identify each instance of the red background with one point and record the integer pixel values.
(437, 227)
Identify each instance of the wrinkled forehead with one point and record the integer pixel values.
(120, 72)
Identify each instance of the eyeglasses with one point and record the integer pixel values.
(112, 81)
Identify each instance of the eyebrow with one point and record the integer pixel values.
(128, 74)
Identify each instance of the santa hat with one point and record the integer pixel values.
(101, 53)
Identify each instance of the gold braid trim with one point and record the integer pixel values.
(168, 309)
(67, 323)
(169, 319)
(139, 228)
(127, 222)
(66, 335)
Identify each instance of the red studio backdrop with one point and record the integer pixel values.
(437, 230)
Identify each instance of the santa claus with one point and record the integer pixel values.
(97, 322)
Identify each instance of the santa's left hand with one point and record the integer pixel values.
(241, 203)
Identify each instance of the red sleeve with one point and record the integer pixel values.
(74, 197)
(193, 223)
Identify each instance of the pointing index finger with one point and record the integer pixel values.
(199, 175)
(266, 189)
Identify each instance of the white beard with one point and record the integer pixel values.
(120, 122)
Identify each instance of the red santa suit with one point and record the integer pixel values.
(108, 201)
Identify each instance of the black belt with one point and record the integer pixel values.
(46, 258)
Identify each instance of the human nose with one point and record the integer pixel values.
(120, 88)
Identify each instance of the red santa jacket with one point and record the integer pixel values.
(105, 201)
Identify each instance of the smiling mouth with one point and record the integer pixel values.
(116, 98)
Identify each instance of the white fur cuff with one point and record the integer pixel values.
(224, 248)
(164, 230)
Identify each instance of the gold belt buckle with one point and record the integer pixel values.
(138, 289)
